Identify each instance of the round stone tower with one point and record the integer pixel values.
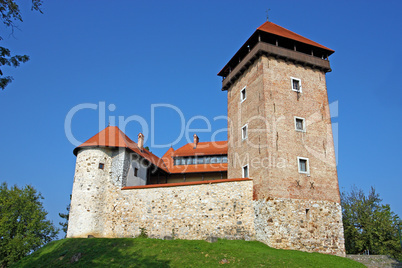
(92, 172)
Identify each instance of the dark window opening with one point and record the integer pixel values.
(136, 172)
(245, 172)
(299, 124)
(243, 94)
(295, 85)
(101, 166)
(302, 165)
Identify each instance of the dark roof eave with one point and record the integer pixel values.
(251, 44)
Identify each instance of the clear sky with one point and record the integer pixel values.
(131, 55)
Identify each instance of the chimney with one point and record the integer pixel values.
(196, 139)
(141, 141)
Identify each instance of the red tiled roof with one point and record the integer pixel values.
(113, 137)
(270, 27)
(199, 168)
(203, 148)
(168, 159)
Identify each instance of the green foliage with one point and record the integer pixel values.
(10, 12)
(65, 217)
(139, 252)
(369, 225)
(23, 224)
(143, 233)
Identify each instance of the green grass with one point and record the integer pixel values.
(145, 252)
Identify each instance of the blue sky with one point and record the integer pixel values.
(133, 54)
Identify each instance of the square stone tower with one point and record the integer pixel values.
(280, 136)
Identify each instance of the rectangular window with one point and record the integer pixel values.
(189, 161)
(183, 161)
(101, 166)
(200, 160)
(213, 160)
(135, 172)
(296, 84)
(300, 124)
(243, 95)
(177, 161)
(245, 171)
(244, 132)
(303, 165)
(207, 160)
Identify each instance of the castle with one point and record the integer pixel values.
(274, 180)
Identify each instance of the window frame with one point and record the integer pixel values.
(303, 122)
(242, 132)
(307, 165)
(241, 94)
(242, 171)
(291, 84)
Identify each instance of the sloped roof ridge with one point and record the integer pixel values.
(272, 28)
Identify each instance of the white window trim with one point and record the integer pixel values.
(307, 165)
(304, 124)
(291, 84)
(245, 126)
(241, 94)
(242, 171)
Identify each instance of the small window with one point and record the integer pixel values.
(207, 160)
(245, 171)
(244, 132)
(183, 161)
(307, 213)
(101, 166)
(200, 160)
(243, 95)
(214, 160)
(303, 165)
(135, 172)
(300, 124)
(224, 159)
(296, 84)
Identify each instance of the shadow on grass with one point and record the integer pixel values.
(101, 252)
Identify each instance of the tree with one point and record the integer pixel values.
(369, 225)
(10, 12)
(65, 217)
(23, 224)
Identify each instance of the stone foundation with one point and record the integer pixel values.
(313, 226)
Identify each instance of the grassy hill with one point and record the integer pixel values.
(144, 252)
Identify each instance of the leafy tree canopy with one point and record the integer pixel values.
(65, 217)
(23, 224)
(369, 225)
(9, 14)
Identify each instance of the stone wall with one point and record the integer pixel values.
(101, 208)
(313, 226)
(186, 212)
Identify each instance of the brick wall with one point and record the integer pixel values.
(273, 144)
